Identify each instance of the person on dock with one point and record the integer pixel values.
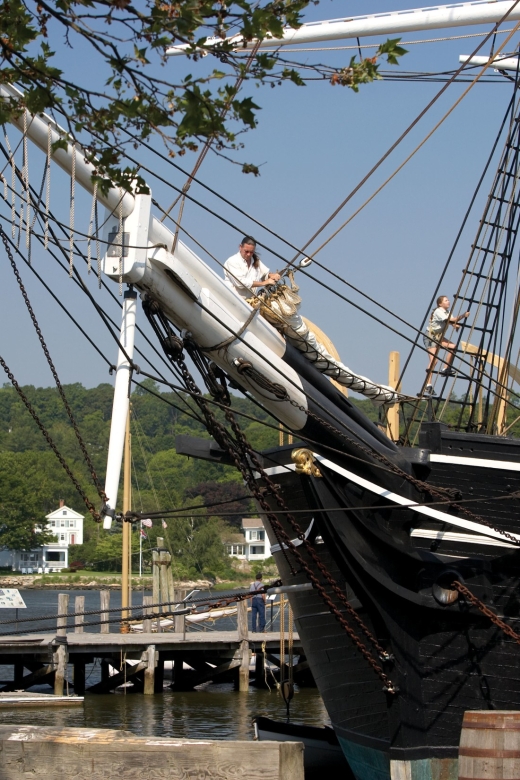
(245, 271)
(435, 338)
(257, 605)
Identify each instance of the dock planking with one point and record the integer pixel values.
(212, 655)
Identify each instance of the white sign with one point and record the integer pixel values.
(10, 599)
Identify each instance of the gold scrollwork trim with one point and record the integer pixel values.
(304, 460)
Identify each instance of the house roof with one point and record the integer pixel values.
(252, 522)
(234, 538)
(65, 511)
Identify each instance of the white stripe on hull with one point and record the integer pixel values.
(435, 514)
(482, 463)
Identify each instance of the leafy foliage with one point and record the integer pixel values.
(32, 481)
(131, 90)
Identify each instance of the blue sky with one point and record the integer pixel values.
(314, 144)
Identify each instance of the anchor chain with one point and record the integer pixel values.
(245, 460)
(444, 493)
(52, 367)
(510, 632)
(88, 503)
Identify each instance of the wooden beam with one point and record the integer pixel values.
(60, 658)
(39, 677)
(243, 672)
(63, 608)
(104, 597)
(79, 606)
(81, 753)
(115, 680)
(150, 658)
(392, 416)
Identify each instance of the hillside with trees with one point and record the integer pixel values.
(32, 480)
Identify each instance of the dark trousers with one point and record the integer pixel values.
(258, 615)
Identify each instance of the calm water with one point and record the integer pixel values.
(214, 711)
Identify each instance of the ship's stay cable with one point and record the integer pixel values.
(323, 284)
(405, 161)
(414, 123)
(193, 414)
(327, 287)
(48, 214)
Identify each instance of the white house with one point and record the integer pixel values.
(253, 545)
(67, 525)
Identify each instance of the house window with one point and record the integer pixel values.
(235, 549)
(55, 555)
(71, 523)
(257, 549)
(254, 536)
(62, 537)
(64, 511)
(53, 523)
(30, 557)
(261, 536)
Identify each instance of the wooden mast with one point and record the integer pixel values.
(127, 531)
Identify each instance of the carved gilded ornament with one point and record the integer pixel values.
(304, 460)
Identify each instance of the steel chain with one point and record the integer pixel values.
(419, 484)
(52, 367)
(240, 460)
(486, 611)
(444, 493)
(88, 503)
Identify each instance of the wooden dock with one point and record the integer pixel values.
(139, 658)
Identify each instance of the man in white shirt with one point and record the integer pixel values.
(245, 271)
(435, 337)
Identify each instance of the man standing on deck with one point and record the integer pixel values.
(258, 605)
(245, 271)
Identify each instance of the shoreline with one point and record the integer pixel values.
(34, 582)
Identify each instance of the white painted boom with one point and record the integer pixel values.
(393, 22)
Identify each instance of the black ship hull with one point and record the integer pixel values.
(398, 566)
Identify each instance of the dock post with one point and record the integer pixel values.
(149, 672)
(79, 606)
(156, 584)
(180, 620)
(163, 577)
(79, 677)
(159, 675)
(147, 622)
(260, 670)
(243, 672)
(104, 596)
(59, 658)
(63, 608)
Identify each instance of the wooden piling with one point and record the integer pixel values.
(59, 658)
(79, 606)
(147, 622)
(163, 578)
(104, 596)
(149, 672)
(243, 672)
(159, 675)
(179, 620)
(156, 584)
(63, 608)
(260, 670)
